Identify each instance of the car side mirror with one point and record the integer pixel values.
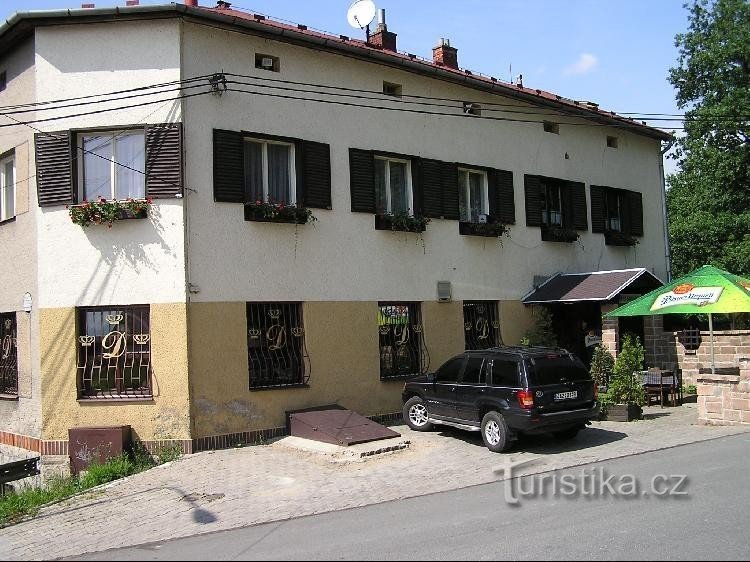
(431, 377)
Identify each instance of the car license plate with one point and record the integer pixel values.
(566, 395)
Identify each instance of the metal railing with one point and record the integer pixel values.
(481, 325)
(402, 348)
(8, 354)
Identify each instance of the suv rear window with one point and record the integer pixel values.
(505, 373)
(553, 369)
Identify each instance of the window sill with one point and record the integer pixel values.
(385, 222)
(398, 378)
(252, 215)
(8, 397)
(486, 230)
(278, 387)
(251, 218)
(116, 399)
(7, 221)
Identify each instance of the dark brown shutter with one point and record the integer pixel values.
(229, 167)
(579, 211)
(431, 185)
(502, 196)
(164, 160)
(533, 192)
(449, 185)
(416, 187)
(598, 208)
(54, 173)
(635, 200)
(362, 177)
(315, 180)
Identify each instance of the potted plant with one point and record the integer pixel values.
(602, 366)
(625, 390)
(618, 238)
(268, 211)
(555, 233)
(103, 211)
(401, 221)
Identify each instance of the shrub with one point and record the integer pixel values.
(541, 333)
(625, 386)
(602, 365)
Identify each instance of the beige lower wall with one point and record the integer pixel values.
(342, 342)
(167, 416)
(515, 320)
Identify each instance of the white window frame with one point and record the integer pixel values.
(614, 223)
(467, 192)
(4, 215)
(292, 167)
(388, 191)
(115, 134)
(547, 211)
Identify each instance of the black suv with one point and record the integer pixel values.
(503, 392)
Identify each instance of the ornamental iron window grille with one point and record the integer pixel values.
(402, 349)
(276, 350)
(8, 354)
(114, 352)
(481, 325)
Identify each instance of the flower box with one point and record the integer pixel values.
(617, 238)
(103, 211)
(559, 234)
(487, 229)
(401, 223)
(260, 211)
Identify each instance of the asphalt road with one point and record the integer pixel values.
(618, 509)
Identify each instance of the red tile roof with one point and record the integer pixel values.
(582, 109)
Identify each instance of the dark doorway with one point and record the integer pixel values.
(571, 323)
(630, 325)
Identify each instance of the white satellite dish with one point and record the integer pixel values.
(361, 13)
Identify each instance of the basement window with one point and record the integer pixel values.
(550, 127)
(267, 62)
(391, 89)
(612, 142)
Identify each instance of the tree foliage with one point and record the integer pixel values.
(709, 198)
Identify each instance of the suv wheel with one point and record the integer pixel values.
(416, 415)
(495, 433)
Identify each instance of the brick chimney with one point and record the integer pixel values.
(382, 38)
(445, 55)
(191, 3)
(132, 2)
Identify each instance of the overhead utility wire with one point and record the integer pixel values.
(380, 97)
(434, 113)
(95, 112)
(114, 100)
(115, 93)
(484, 104)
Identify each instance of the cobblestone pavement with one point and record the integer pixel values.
(226, 489)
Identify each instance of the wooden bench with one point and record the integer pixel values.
(12, 471)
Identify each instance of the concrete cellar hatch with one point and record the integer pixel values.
(336, 425)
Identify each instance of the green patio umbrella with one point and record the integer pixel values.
(707, 290)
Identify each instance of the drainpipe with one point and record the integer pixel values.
(668, 255)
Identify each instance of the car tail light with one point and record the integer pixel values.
(526, 399)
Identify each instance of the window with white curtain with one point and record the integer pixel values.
(270, 171)
(112, 165)
(393, 186)
(472, 195)
(7, 188)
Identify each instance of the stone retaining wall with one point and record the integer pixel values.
(724, 399)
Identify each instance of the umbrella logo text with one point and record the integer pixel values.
(699, 296)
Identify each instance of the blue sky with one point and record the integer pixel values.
(613, 52)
